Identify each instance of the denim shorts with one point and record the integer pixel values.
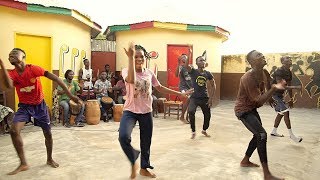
(280, 106)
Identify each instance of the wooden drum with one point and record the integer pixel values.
(92, 112)
(117, 112)
(160, 104)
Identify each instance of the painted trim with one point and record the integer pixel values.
(173, 26)
(141, 25)
(81, 18)
(49, 10)
(14, 4)
(205, 28)
(119, 28)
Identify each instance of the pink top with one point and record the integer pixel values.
(139, 99)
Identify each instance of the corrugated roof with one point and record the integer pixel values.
(110, 31)
(95, 28)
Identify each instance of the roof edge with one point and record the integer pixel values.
(95, 27)
(110, 30)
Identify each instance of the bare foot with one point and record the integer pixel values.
(184, 121)
(134, 169)
(205, 133)
(20, 168)
(52, 163)
(271, 177)
(193, 135)
(145, 172)
(249, 164)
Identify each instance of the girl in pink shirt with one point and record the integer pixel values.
(138, 107)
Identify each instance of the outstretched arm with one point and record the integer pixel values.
(61, 84)
(131, 78)
(166, 90)
(7, 81)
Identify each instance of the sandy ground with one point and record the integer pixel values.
(93, 152)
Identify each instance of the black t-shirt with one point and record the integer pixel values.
(199, 83)
(185, 79)
(281, 73)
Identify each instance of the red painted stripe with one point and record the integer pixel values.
(142, 25)
(14, 4)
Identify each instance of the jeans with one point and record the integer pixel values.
(66, 108)
(127, 123)
(203, 103)
(253, 123)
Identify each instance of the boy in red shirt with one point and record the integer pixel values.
(26, 79)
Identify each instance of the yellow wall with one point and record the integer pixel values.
(64, 30)
(158, 39)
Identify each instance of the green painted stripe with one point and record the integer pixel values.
(50, 10)
(119, 28)
(200, 28)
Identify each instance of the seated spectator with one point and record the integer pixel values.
(120, 91)
(64, 100)
(101, 88)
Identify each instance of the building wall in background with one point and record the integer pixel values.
(155, 39)
(306, 72)
(70, 38)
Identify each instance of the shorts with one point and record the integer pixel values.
(280, 106)
(38, 112)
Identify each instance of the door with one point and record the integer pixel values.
(38, 50)
(173, 53)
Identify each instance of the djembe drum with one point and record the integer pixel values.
(117, 112)
(75, 109)
(92, 112)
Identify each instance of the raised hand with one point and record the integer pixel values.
(130, 50)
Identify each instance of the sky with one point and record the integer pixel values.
(269, 26)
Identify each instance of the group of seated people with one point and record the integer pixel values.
(89, 88)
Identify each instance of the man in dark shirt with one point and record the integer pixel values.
(252, 95)
(185, 83)
(279, 104)
(203, 97)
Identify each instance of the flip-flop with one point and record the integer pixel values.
(277, 135)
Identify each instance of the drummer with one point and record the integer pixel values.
(64, 100)
(101, 88)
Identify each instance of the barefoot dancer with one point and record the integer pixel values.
(26, 79)
(252, 95)
(138, 107)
